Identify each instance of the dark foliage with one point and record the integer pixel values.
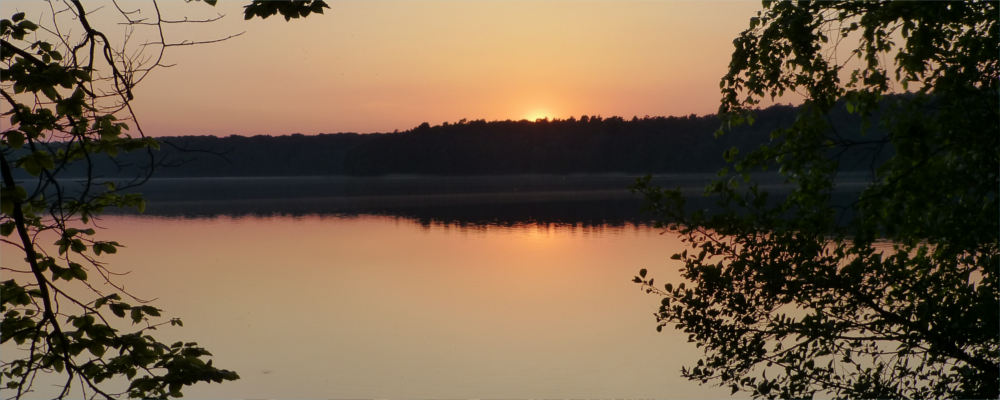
(584, 145)
(67, 96)
(899, 300)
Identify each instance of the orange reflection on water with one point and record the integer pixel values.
(329, 307)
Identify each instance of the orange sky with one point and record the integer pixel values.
(369, 66)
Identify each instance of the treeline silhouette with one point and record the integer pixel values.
(586, 144)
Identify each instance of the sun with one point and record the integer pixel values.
(536, 115)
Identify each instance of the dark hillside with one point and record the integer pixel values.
(584, 145)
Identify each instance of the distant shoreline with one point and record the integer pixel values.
(590, 199)
(592, 146)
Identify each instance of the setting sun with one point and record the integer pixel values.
(537, 115)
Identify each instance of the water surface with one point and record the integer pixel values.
(415, 287)
(386, 307)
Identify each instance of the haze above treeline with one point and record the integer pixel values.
(585, 145)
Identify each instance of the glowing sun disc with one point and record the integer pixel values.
(536, 115)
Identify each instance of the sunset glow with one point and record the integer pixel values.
(537, 115)
(377, 66)
(455, 199)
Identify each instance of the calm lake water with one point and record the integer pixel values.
(326, 307)
(411, 287)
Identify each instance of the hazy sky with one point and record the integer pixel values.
(378, 65)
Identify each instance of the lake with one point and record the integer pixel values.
(388, 307)
(412, 287)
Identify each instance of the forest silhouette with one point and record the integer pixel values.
(584, 145)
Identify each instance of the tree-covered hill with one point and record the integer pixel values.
(574, 145)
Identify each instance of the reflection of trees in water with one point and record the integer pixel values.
(506, 201)
(584, 214)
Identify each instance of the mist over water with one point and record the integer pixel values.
(499, 200)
